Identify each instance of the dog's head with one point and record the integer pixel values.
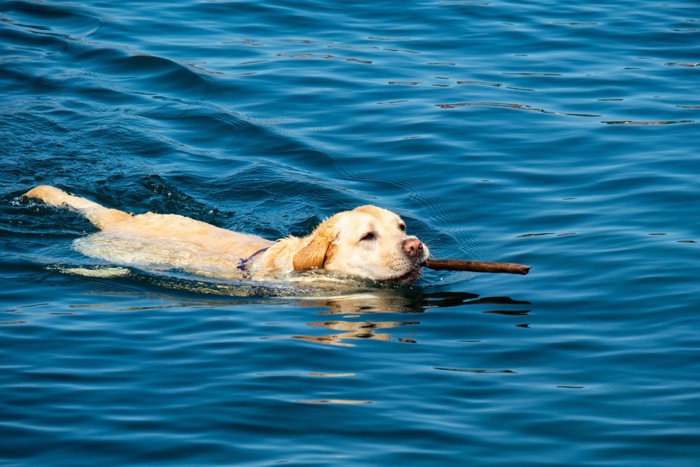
(368, 242)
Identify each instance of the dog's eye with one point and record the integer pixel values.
(402, 227)
(369, 236)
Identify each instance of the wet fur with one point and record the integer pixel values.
(339, 245)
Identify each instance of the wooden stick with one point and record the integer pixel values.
(475, 266)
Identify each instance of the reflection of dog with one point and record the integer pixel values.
(355, 330)
(367, 242)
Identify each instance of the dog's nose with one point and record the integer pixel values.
(412, 247)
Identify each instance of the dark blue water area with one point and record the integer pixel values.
(562, 135)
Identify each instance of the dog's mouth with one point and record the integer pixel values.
(409, 278)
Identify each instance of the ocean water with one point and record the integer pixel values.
(562, 135)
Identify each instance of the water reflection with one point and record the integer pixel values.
(404, 301)
(354, 330)
(348, 314)
(347, 310)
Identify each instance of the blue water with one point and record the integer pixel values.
(563, 135)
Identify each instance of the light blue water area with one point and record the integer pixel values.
(559, 135)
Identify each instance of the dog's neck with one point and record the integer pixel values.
(277, 258)
(245, 263)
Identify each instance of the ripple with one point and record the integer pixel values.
(686, 64)
(465, 3)
(529, 73)
(151, 73)
(46, 19)
(647, 122)
(477, 371)
(335, 401)
(324, 57)
(512, 106)
(12, 323)
(576, 23)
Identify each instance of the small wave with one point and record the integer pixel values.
(686, 64)
(309, 56)
(336, 401)
(531, 73)
(150, 73)
(46, 19)
(477, 371)
(647, 122)
(513, 106)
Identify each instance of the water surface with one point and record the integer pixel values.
(563, 136)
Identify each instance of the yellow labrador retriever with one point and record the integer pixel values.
(367, 242)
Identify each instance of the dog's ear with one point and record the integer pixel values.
(318, 249)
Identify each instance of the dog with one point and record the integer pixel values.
(367, 243)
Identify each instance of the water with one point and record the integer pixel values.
(563, 136)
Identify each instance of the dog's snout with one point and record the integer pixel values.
(412, 247)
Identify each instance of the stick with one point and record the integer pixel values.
(475, 266)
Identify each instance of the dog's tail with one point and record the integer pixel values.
(99, 215)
